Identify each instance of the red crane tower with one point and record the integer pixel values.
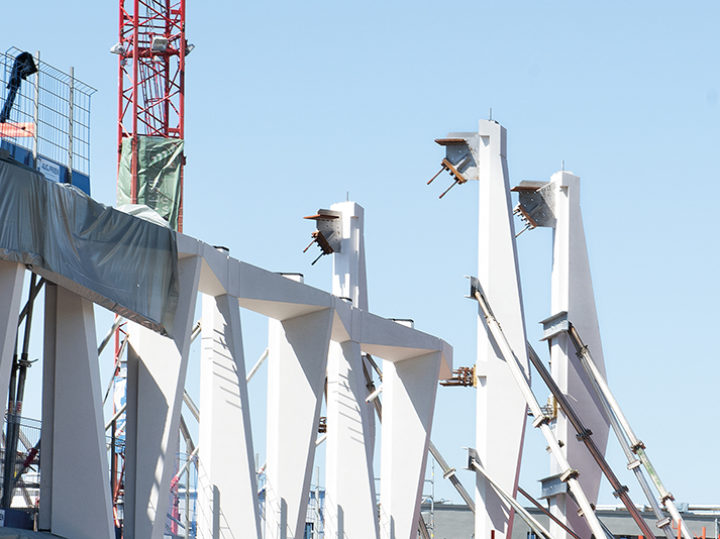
(151, 104)
(151, 129)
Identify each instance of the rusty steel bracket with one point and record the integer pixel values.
(462, 377)
(328, 235)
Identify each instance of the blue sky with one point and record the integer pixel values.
(291, 106)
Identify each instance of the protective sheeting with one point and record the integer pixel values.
(9, 533)
(158, 171)
(126, 264)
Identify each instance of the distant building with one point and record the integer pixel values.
(450, 521)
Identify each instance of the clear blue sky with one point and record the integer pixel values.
(292, 105)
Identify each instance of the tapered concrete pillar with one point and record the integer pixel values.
(75, 498)
(227, 484)
(156, 371)
(410, 387)
(350, 483)
(501, 408)
(572, 292)
(11, 281)
(298, 350)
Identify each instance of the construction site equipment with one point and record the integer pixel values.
(46, 121)
(22, 68)
(584, 435)
(151, 105)
(541, 421)
(632, 446)
(18, 375)
(474, 464)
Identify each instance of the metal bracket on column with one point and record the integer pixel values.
(462, 377)
(552, 486)
(460, 158)
(329, 232)
(555, 325)
(536, 206)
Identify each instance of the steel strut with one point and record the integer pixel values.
(585, 435)
(474, 463)
(568, 475)
(630, 443)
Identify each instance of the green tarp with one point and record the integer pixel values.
(159, 166)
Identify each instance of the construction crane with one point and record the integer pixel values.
(151, 128)
(151, 104)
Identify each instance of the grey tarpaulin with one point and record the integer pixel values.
(124, 263)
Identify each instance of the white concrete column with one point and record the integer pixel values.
(298, 350)
(409, 390)
(11, 281)
(350, 484)
(572, 291)
(227, 484)
(501, 408)
(75, 499)
(349, 275)
(157, 367)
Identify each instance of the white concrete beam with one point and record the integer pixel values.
(500, 428)
(11, 281)
(298, 350)
(157, 367)
(409, 390)
(75, 487)
(227, 484)
(572, 291)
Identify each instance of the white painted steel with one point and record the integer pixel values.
(157, 368)
(11, 281)
(298, 350)
(227, 483)
(409, 401)
(500, 428)
(75, 487)
(572, 291)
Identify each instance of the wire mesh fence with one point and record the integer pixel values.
(48, 114)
